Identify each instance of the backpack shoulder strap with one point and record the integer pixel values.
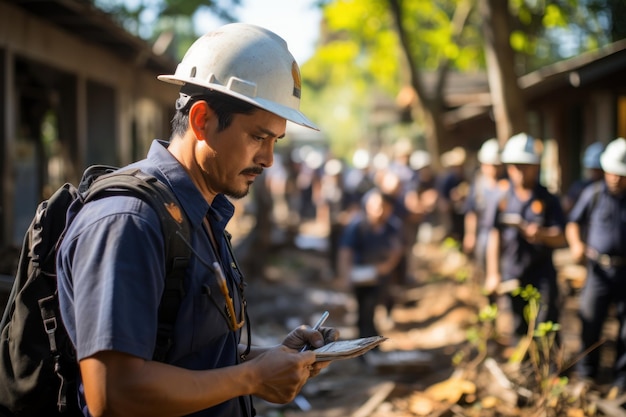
(176, 234)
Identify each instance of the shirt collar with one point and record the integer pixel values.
(220, 213)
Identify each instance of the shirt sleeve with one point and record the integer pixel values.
(470, 201)
(112, 272)
(491, 211)
(579, 212)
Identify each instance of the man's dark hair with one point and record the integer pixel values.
(223, 105)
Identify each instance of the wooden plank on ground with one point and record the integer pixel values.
(613, 407)
(381, 392)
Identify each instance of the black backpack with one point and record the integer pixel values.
(38, 367)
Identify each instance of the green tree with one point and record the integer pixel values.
(448, 45)
(166, 23)
(357, 61)
(369, 47)
(523, 35)
(506, 96)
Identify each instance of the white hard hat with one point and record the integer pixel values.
(402, 147)
(489, 152)
(521, 149)
(380, 161)
(314, 158)
(248, 62)
(361, 159)
(333, 167)
(419, 159)
(454, 157)
(613, 159)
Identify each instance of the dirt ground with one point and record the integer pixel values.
(437, 360)
(417, 371)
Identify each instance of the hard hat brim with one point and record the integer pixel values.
(610, 166)
(520, 158)
(285, 112)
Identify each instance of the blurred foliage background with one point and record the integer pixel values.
(399, 53)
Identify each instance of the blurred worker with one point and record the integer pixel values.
(358, 180)
(333, 205)
(400, 163)
(602, 208)
(592, 173)
(488, 185)
(422, 196)
(453, 189)
(391, 185)
(370, 250)
(527, 224)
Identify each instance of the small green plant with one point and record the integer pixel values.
(478, 337)
(545, 357)
(462, 274)
(449, 243)
(538, 356)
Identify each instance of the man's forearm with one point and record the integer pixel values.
(493, 253)
(553, 237)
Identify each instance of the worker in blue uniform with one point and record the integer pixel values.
(527, 224)
(601, 210)
(592, 172)
(487, 185)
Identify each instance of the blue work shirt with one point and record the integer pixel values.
(370, 245)
(111, 269)
(576, 189)
(447, 182)
(480, 195)
(520, 258)
(604, 216)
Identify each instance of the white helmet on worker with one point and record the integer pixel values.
(419, 159)
(489, 152)
(361, 159)
(613, 159)
(247, 62)
(521, 149)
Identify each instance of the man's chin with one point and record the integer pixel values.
(238, 194)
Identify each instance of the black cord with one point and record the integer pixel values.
(210, 294)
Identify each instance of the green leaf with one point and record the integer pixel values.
(518, 40)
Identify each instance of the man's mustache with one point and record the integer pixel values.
(252, 171)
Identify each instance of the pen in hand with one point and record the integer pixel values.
(317, 326)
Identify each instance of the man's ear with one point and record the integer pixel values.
(200, 115)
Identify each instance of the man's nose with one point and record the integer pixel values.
(265, 156)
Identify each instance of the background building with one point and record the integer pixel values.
(76, 90)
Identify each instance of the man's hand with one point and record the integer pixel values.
(492, 282)
(531, 232)
(282, 373)
(469, 243)
(577, 250)
(304, 335)
(576, 245)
